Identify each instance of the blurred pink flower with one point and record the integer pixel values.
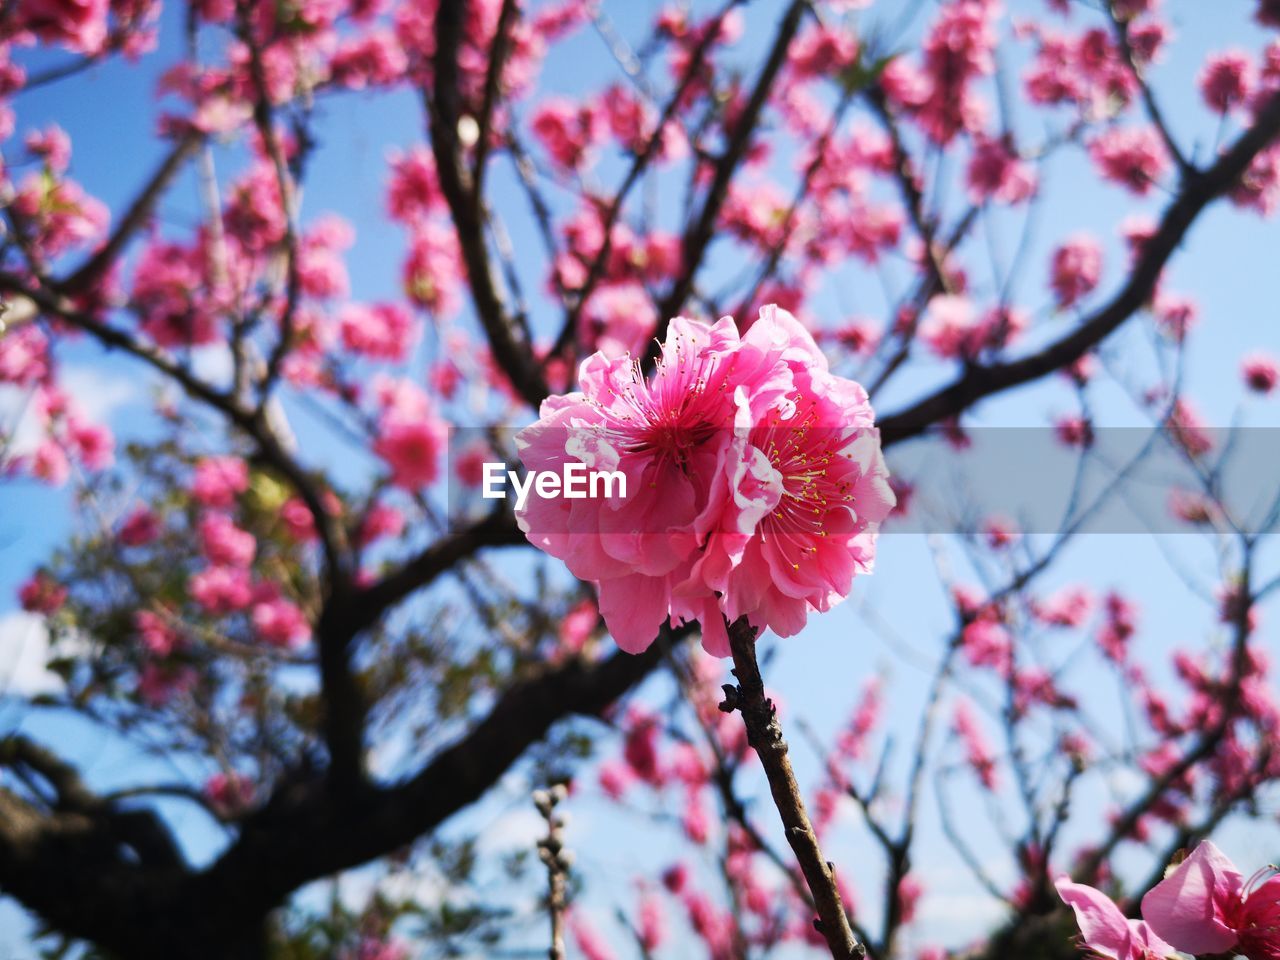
(1226, 80)
(1261, 372)
(218, 480)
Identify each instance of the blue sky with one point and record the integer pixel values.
(1226, 264)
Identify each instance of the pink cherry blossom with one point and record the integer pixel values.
(373, 60)
(381, 520)
(412, 447)
(1261, 372)
(1076, 269)
(228, 793)
(1134, 157)
(49, 463)
(221, 590)
(158, 683)
(383, 331)
(414, 190)
(1207, 906)
(432, 272)
(139, 528)
(758, 482)
(1226, 80)
(222, 542)
(997, 173)
(42, 594)
(158, 638)
(218, 480)
(92, 443)
(566, 130)
(80, 24)
(977, 752)
(24, 356)
(1105, 930)
(280, 623)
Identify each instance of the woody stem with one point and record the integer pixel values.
(764, 734)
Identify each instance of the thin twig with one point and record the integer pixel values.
(764, 733)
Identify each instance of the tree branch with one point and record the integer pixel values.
(135, 217)
(765, 735)
(443, 104)
(698, 236)
(1199, 191)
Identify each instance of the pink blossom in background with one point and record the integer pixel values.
(383, 331)
(221, 590)
(79, 24)
(999, 532)
(1175, 315)
(42, 594)
(577, 627)
(1186, 429)
(222, 542)
(589, 942)
(228, 793)
(1105, 930)
(380, 520)
(1133, 157)
(567, 130)
(1226, 80)
(755, 482)
(1076, 269)
(157, 637)
(1261, 372)
(977, 751)
(158, 683)
(997, 173)
(1067, 608)
(414, 190)
(50, 464)
(298, 521)
(24, 356)
(412, 448)
(432, 272)
(280, 623)
(468, 465)
(219, 480)
(1073, 431)
(653, 925)
(139, 528)
(52, 145)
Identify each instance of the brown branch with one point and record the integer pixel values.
(641, 161)
(498, 529)
(912, 195)
(697, 237)
(310, 833)
(1121, 28)
(492, 89)
(980, 381)
(444, 108)
(264, 121)
(764, 734)
(135, 217)
(553, 855)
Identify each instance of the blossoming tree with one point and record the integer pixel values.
(276, 586)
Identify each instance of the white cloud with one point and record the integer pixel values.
(24, 648)
(97, 393)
